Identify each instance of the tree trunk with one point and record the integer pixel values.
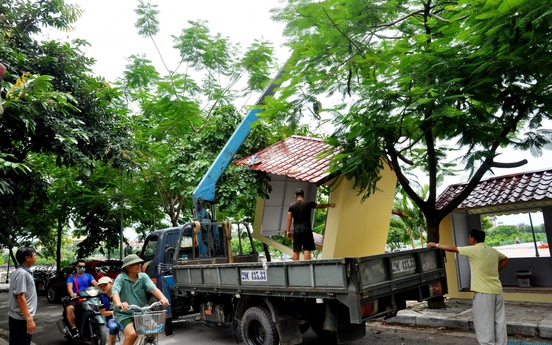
(432, 229)
(58, 245)
(13, 259)
(433, 236)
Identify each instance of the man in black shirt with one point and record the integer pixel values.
(301, 212)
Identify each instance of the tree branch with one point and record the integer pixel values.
(371, 50)
(403, 158)
(439, 18)
(509, 165)
(443, 19)
(397, 20)
(403, 180)
(485, 166)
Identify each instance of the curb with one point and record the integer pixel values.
(432, 321)
(542, 330)
(521, 328)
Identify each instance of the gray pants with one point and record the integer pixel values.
(489, 319)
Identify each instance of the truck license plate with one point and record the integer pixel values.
(253, 276)
(404, 266)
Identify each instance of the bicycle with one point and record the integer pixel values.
(147, 323)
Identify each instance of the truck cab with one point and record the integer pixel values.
(193, 244)
(158, 251)
(158, 255)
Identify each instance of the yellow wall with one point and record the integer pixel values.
(445, 236)
(352, 228)
(358, 229)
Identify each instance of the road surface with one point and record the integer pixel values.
(190, 331)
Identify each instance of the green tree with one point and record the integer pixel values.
(410, 215)
(397, 233)
(526, 228)
(422, 80)
(184, 119)
(505, 231)
(486, 224)
(503, 234)
(55, 115)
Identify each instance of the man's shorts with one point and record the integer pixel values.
(302, 239)
(125, 322)
(72, 301)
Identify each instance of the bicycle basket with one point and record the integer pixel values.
(150, 322)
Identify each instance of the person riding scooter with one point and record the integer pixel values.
(75, 284)
(88, 319)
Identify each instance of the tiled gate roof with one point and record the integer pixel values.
(295, 157)
(504, 194)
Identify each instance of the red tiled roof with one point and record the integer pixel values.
(504, 194)
(295, 157)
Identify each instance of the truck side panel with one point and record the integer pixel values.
(315, 278)
(394, 278)
(370, 276)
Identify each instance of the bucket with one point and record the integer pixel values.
(524, 278)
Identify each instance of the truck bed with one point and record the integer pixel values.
(349, 280)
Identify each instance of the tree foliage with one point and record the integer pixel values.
(56, 116)
(411, 221)
(186, 115)
(431, 86)
(486, 224)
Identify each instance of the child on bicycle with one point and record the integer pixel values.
(105, 284)
(131, 287)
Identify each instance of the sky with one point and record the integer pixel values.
(109, 27)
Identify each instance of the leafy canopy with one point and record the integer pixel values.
(429, 86)
(184, 116)
(58, 121)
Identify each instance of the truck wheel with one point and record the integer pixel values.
(257, 327)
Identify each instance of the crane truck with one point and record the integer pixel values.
(271, 303)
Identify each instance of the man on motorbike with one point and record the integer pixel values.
(131, 287)
(105, 284)
(76, 283)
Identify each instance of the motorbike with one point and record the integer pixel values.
(88, 319)
(41, 277)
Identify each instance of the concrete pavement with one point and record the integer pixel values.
(523, 318)
(527, 319)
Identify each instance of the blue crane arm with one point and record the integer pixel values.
(205, 190)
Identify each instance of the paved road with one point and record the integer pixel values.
(189, 331)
